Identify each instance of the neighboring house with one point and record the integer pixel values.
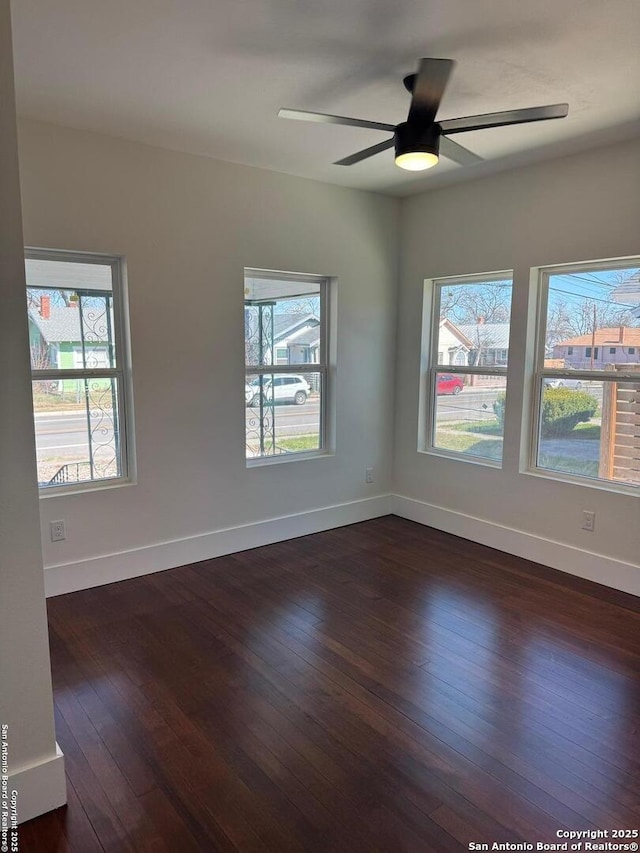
(302, 347)
(296, 339)
(629, 293)
(55, 337)
(489, 343)
(453, 346)
(480, 344)
(618, 345)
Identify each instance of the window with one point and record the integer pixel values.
(285, 326)
(569, 350)
(80, 379)
(464, 387)
(587, 403)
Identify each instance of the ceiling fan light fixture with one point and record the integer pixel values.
(417, 150)
(416, 161)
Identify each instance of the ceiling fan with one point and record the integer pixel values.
(421, 139)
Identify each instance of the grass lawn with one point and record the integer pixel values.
(467, 437)
(298, 443)
(589, 431)
(479, 427)
(568, 464)
(51, 402)
(489, 448)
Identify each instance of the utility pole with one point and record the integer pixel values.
(593, 335)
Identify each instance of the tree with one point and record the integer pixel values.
(571, 320)
(470, 304)
(485, 304)
(479, 306)
(482, 341)
(40, 360)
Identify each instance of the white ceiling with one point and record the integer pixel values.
(208, 76)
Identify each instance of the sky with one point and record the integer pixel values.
(574, 288)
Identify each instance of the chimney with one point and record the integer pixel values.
(481, 321)
(621, 334)
(45, 307)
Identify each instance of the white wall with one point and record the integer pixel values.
(35, 768)
(571, 209)
(188, 226)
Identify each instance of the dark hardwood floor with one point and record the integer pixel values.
(380, 687)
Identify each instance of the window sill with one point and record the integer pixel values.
(461, 457)
(83, 488)
(286, 458)
(591, 483)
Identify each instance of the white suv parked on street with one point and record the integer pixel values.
(285, 388)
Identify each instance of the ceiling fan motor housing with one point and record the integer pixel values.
(410, 138)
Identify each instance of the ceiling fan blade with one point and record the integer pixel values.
(460, 125)
(428, 89)
(458, 153)
(367, 152)
(322, 118)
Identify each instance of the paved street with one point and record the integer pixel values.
(64, 434)
(471, 404)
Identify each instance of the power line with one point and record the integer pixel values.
(594, 298)
(594, 280)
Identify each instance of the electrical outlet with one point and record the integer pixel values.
(588, 520)
(57, 531)
(368, 475)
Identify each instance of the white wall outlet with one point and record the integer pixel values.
(588, 520)
(368, 475)
(58, 533)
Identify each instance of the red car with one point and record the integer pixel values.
(449, 384)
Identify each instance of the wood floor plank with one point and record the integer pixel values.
(379, 687)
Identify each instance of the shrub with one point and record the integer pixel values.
(563, 409)
(498, 408)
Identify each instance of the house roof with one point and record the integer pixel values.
(285, 325)
(455, 330)
(63, 324)
(490, 335)
(631, 337)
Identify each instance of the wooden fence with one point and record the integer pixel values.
(620, 435)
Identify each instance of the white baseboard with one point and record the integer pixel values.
(96, 571)
(40, 787)
(567, 558)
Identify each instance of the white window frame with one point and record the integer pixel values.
(541, 373)
(121, 372)
(299, 369)
(433, 366)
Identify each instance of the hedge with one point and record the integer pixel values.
(562, 410)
